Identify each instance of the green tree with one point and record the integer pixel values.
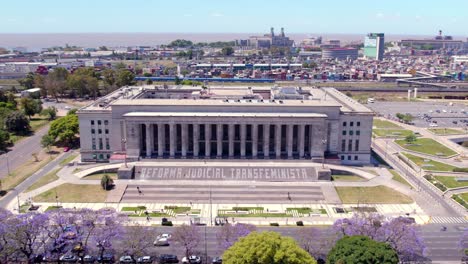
(17, 122)
(56, 82)
(108, 76)
(178, 81)
(266, 248)
(361, 249)
(31, 106)
(124, 78)
(410, 138)
(47, 141)
(11, 99)
(106, 182)
(4, 139)
(28, 81)
(65, 129)
(50, 112)
(227, 51)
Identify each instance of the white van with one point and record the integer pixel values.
(370, 100)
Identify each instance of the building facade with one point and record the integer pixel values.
(340, 53)
(374, 46)
(226, 123)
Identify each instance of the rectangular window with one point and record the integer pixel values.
(107, 131)
(107, 144)
(350, 145)
(356, 145)
(344, 124)
(351, 132)
(351, 123)
(349, 157)
(343, 133)
(342, 157)
(355, 157)
(99, 122)
(92, 122)
(99, 131)
(343, 145)
(358, 132)
(100, 143)
(93, 131)
(106, 122)
(108, 156)
(358, 123)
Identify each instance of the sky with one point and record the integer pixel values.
(412, 17)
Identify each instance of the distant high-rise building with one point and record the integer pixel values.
(374, 46)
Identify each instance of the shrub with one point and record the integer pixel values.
(106, 182)
(460, 170)
(167, 223)
(274, 224)
(299, 223)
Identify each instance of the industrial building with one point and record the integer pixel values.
(267, 41)
(438, 42)
(226, 123)
(374, 46)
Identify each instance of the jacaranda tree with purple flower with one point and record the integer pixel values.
(228, 234)
(187, 236)
(137, 240)
(400, 233)
(110, 229)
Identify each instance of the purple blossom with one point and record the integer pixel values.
(187, 236)
(228, 234)
(399, 232)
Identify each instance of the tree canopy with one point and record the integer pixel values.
(361, 249)
(65, 129)
(266, 248)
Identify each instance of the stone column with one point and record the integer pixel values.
(318, 148)
(161, 143)
(278, 140)
(266, 140)
(207, 140)
(148, 140)
(301, 140)
(196, 138)
(289, 140)
(311, 139)
(184, 128)
(219, 138)
(254, 140)
(172, 140)
(231, 140)
(243, 133)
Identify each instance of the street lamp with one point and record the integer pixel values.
(324, 142)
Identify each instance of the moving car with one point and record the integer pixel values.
(433, 125)
(161, 242)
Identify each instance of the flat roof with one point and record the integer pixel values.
(204, 114)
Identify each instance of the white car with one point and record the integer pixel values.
(192, 260)
(161, 242)
(433, 125)
(167, 236)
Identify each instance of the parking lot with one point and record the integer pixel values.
(443, 114)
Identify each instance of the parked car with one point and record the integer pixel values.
(217, 260)
(433, 125)
(66, 149)
(167, 258)
(145, 259)
(192, 260)
(69, 258)
(126, 259)
(106, 258)
(89, 259)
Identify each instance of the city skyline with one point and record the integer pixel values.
(397, 17)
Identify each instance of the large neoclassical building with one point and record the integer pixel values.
(193, 122)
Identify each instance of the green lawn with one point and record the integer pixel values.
(464, 196)
(378, 194)
(68, 159)
(347, 178)
(450, 181)
(427, 146)
(50, 177)
(429, 164)
(392, 132)
(73, 193)
(397, 177)
(385, 124)
(178, 209)
(445, 131)
(133, 208)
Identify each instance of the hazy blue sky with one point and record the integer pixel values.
(424, 17)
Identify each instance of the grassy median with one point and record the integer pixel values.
(427, 146)
(373, 195)
(428, 164)
(73, 193)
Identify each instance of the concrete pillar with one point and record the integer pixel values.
(278, 140)
(243, 132)
(172, 140)
(161, 142)
(254, 140)
(289, 140)
(231, 140)
(207, 140)
(184, 128)
(311, 139)
(148, 140)
(219, 138)
(409, 95)
(196, 139)
(415, 93)
(301, 140)
(266, 140)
